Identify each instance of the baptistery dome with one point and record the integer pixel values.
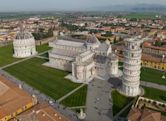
(24, 45)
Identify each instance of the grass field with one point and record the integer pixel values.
(119, 101)
(47, 80)
(139, 15)
(155, 94)
(45, 55)
(6, 53)
(42, 48)
(152, 75)
(76, 99)
(126, 112)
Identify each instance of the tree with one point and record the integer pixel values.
(158, 43)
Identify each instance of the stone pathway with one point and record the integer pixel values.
(77, 107)
(153, 85)
(42, 57)
(99, 101)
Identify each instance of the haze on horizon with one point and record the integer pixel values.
(51, 5)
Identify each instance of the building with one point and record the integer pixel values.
(86, 59)
(145, 115)
(148, 48)
(13, 100)
(153, 62)
(131, 67)
(145, 109)
(24, 45)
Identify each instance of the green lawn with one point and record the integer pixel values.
(42, 48)
(6, 53)
(119, 101)
(152, 75)
(139, 15)
(47, 80)
(76, 99)
(155, 94)
(125, 112)
(45, 55)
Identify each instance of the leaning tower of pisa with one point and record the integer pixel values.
(131, 68)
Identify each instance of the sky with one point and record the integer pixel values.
(46, 5)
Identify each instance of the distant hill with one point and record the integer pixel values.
(134, 8)
(149, 8)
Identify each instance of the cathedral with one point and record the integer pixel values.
(85, 59)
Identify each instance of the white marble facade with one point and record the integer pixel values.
(24, 45)
(131, 67)
(85, 59)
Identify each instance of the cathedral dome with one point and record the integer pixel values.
(92, 41)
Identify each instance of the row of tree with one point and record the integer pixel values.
(43, 35)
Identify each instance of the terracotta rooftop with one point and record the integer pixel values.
(149, 115)
(145, 114)
(149, 45)
(134, 114)
(11, 97)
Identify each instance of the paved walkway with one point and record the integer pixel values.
(42, 57)
(77, 107)
(99, 102)
(153, 85)
(70, 93)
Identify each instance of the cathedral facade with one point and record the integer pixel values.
(85, 59)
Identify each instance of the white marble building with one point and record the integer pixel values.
(86, 59)
(131, 68)
(24, 45)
